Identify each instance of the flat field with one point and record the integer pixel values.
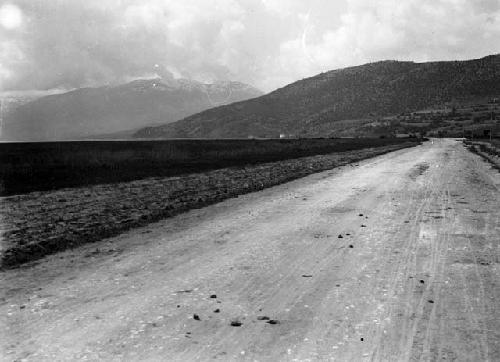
(27, 167)
(43, 222)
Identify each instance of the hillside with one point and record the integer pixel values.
(341, 102)
(87, 112)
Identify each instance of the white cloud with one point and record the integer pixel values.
(142, 15)
(266, 43)
(419, 30)
(11, 16)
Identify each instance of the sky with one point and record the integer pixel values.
(67, 44)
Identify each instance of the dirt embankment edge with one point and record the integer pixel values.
(486, 150)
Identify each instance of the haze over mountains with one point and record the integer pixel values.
(116, 112)
(321, 105)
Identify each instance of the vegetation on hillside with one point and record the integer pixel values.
(314, 106)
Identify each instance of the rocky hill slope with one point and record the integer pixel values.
(319, 105)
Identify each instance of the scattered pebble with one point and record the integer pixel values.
(363, 225)
(351, 246)
(306, 276)
(235, 323)
(422, 281)
(196, 317)
(340, 236)
(430, 301)
(360, 215)
(263, 318)
(213, 296)
(217, 310)
(362, 339)
(273, 321)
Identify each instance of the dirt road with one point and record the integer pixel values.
(395, 258)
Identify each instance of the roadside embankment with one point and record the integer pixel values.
(490, 151)
(41, 223)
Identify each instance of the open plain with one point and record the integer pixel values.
(394, 258)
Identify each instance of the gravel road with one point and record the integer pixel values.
(395, 258)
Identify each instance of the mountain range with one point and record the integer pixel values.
(329, 103)
(116, 111)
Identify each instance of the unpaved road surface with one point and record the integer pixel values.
(414, 275)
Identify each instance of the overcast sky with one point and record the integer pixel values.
(64, 44)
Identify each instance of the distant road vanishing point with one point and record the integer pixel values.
(395, 258)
